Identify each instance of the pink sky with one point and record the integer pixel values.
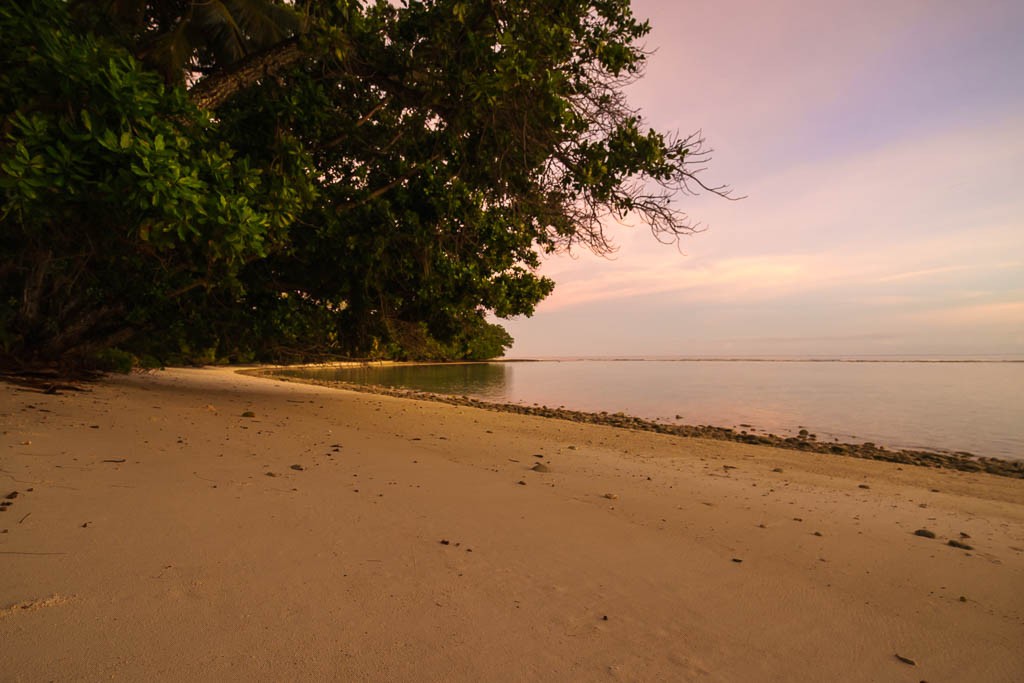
(879, 145)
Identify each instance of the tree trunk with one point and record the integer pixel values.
(35, 281)
(214, 90)
(87, 329)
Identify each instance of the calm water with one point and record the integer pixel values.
(975, 407)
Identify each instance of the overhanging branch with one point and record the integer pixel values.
(210, 92)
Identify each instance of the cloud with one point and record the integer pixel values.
(927, 272)
(821, 237)
(879, 145)
(726, 279)
(866, 274)
(1001, 314)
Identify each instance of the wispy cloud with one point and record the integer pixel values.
(879, 145)
(1002, 313)
(927, 272)
(817, 239)
(751, 278)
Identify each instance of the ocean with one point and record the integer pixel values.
(977, 407)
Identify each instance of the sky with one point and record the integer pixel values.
(880, 148)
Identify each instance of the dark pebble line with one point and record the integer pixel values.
(965, 462)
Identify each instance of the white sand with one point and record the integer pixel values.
(187, 562)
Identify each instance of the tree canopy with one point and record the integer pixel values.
(257, 179)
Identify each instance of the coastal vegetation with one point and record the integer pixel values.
(239, 180)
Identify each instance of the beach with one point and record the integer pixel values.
(200, 524)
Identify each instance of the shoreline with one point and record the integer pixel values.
(202, 524)
(962, 461)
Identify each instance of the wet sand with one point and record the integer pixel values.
(156, 531)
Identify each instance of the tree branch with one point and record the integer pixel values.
(210, 92)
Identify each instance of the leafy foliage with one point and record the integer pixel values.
(185, 39)
(373, 180)
(119, 196)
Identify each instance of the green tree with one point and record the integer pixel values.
(188, 40)
(454, 143)
(375, 179)
(119, 197)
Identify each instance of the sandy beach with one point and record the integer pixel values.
(206, 525)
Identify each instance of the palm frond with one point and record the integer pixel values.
(171, 52)
(265, 22)
(225, 38)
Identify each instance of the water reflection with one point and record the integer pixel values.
(489, 381)
(972, 407)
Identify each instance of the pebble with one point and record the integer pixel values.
(906, 660)
(958, 544)
(957, 461)
(298, 468)
(611, 496)
(540, 467)
(248, 413)
(925, 533)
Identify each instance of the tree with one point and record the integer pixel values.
(404, 168)
(217, 47)
(119, 197)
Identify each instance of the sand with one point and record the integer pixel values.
(158, 534)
